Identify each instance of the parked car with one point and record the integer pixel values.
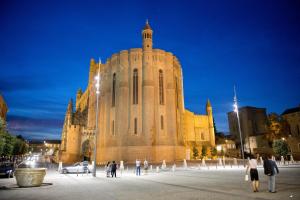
(7, 169)
(79, 167)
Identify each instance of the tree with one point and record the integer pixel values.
(280, 148)
(11, 145)
(277, 128)
(195, 152)
(203, 151)
(214, 151)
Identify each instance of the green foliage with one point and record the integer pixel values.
(222, 152)
(11, 145)
(280, 148)
(277, 128)
(214, 151)
(195, 152)
(204, 151)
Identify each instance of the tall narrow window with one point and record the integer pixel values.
(113, 127)
(202, 136)
(176, 91)
(135, 86)
(162, 122)
(161, 87)
(113, 103)
(135, 126)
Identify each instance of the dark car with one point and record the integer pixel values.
(7, 169)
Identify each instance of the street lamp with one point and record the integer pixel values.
(236, 110)
(97, 86)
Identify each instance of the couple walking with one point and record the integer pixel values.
(270, 169)
(138, 167)
(111, 169)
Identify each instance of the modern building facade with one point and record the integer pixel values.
(141, 110)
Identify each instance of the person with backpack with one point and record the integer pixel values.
(269, 169)
(114, 169)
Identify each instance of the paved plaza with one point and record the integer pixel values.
(189, 184)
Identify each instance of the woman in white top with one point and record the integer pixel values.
(252, 164)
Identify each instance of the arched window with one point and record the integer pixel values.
(135, 126)
(135, 86)
(113, 103)
(202, 136)
(161, 87)
(162, 122)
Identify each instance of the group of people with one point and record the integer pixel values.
(270, 169)
(111, 169)
(138, 167)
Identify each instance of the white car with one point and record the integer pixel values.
(79, 167)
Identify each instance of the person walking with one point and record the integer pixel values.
(145, 166)
(269, 169)
(138, 167)
(114, 169)
(108, 169)
(252, 165)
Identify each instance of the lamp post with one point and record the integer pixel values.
(97, 86)
(236, 110)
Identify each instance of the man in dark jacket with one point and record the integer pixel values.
(269, 168)
(114, 169)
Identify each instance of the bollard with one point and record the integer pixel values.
(60, 167)
(157, 169)
(173, 168)
(184, 164)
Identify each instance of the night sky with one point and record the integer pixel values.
(46, 47)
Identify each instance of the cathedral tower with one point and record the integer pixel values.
(147, 37)
(210, 123)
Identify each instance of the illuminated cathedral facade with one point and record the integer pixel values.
(141, 110)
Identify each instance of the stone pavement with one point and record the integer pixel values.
(182, 184)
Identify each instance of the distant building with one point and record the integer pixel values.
(253, 126)
(292, 116)
(3, 108)
(47, 147)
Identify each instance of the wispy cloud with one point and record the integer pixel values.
(33, 128)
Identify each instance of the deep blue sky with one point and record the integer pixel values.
(46, 47)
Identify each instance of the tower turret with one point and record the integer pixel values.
(147, 37)
(78, 96)
(210, 123)
(69, 113)
(93, 67)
